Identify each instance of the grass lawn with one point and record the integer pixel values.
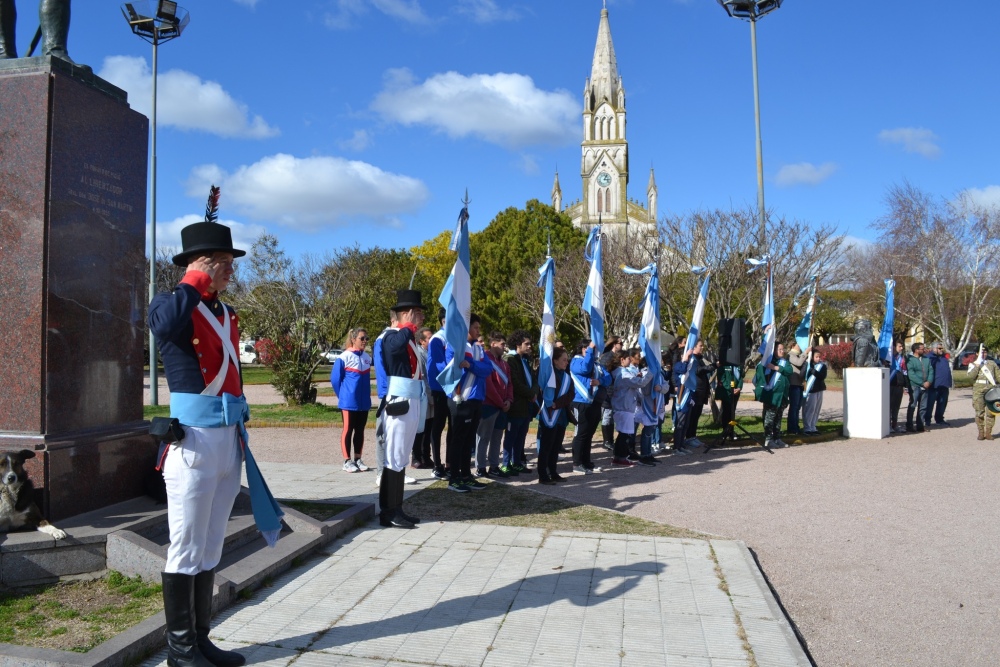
(275, 414)
(76, 616)
(504, 505)
(263, 375)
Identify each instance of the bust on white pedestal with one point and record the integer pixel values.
(866, 403)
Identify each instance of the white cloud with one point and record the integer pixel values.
(505, 109)
(359, 141)
(342, 18)
(804, 173)
(184, 100)
(312, 192)
(344, 13)
(856, 242)
(528, 164)
(913, 140)
(486, 11)
(404, 10)
(168, 234)
(988, 197)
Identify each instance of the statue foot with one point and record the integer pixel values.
(62, 54)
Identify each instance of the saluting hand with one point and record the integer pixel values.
(205, 264)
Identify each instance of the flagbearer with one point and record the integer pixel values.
(727, 389)
(197, 336)
(771, 386)
(984, 374)
(405, 405)
(590, 382)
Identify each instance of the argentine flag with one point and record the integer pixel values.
(649, 336)
(804, 332)
(547, 337)
(593, 298)
(694, 333)
(885, 348)
(456, 298)
(766, 349)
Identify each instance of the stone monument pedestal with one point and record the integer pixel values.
(866, 403)
(73, 159)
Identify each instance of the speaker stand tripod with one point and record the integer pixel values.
(722, 438)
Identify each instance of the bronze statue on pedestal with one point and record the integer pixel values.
(53, 18)
(865, 349)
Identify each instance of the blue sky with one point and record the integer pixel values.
(334, 122)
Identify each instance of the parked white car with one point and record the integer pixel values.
(248, 353)
(331, 356)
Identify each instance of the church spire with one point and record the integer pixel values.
(604, 80)
(556, 194)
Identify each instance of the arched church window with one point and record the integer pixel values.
(600, 201)
(607, 198)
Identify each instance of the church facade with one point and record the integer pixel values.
(604, 165)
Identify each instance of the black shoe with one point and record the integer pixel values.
(457, 487)
(632, 456)
(411, 519)
(439, 473)
(910, 429)
(204, 589)
(546, 482)
(395, 521)
(497, 473)
(558, 478)
(646, 461)
(473, 485)
(481, 472)
(943, 423)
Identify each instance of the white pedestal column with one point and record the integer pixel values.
(866, 403)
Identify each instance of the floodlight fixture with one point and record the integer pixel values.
(161, 22)
(749, 10)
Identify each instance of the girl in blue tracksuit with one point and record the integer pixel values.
(351, 381)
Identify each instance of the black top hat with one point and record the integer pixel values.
(204, 238)
(406, 299)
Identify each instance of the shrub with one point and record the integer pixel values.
(838, 356)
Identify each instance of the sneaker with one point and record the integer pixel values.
(632, 456)
(943, 423)
(480, 472)
(361, 465)
(608, 446)
(457, 487)
(596, 469)
(496, 473)
(677, 449)
(473, 485)
(510, 471)
(439, 473)
(581, 470)
(350, 466)
(546, 482)
(646, 461)
(778, 444)
(623, 463)
(693, 442)
(409, 480)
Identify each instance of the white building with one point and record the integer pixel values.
(604, 166)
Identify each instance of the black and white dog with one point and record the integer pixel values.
(17, 497)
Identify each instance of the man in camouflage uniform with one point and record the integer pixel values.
(985, 374)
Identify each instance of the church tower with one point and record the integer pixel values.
(604, 165)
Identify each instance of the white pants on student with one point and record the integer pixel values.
(202, 475)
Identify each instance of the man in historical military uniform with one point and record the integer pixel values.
(404, 408)
(198, 337)
(984, 374)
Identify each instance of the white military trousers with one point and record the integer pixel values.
(202, 474)
(400, 433)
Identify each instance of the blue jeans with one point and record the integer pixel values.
(918, 405)
(649, 436)
(513, 441)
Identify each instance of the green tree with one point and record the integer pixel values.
(434, 260)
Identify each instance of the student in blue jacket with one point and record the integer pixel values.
(351, 379)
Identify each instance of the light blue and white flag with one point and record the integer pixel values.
(885, 346)
(766, 349)
(803, 335)
(547, 337)
(593, 298)
(649, 336)
(694, 333)
(456, 298)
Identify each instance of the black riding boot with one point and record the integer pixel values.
(204, 585)
(178, 607)
(391, 515)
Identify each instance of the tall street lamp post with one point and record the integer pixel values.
(161, 22)
(751, 10)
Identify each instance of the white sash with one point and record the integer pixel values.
(582, 386)
(527, 371)
(228, 351)
(989, 374)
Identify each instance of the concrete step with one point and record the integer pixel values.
(248, 566)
